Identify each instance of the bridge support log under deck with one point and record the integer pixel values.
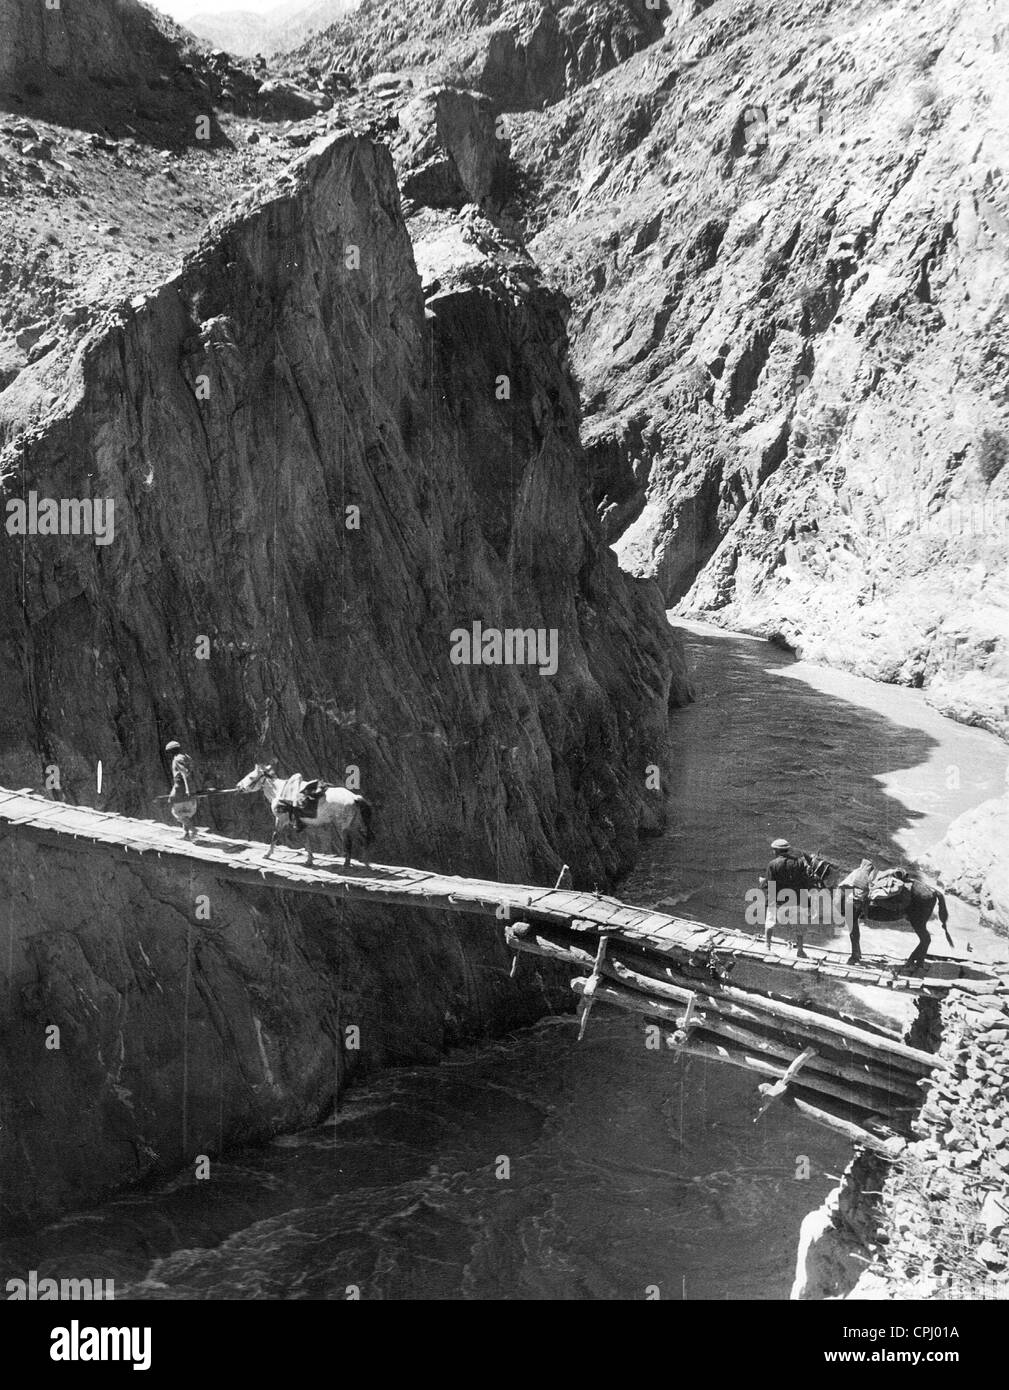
(869, 1092)
(844, 1067)
(856, 1133)
(908, 1062)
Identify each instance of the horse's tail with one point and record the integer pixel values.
(943, 915)
(367, 818)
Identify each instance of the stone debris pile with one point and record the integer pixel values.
(945, 1204)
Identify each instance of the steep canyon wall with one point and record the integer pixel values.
(321, 465)
(782, 230)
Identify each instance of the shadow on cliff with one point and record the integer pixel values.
(163, 119)
(110, 66)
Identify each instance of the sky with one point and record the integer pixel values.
(185, 9)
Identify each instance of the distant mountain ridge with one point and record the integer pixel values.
(247, 33)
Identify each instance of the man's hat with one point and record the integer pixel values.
(173, 747)
(780, 844)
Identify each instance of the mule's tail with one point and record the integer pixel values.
(367, 818)
(943, 915)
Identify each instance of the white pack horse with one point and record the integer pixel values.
(339, 810)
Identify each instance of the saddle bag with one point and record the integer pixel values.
(303, 805)
(890, 887)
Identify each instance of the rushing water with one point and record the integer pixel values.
(626, 1169)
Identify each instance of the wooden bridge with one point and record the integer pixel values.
(846, 1071)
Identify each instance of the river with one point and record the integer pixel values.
(540, 1168)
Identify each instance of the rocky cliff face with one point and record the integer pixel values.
(96, 64)
(123, 69)
(835, 1237)
(118, 41)
(324, 478)
(782, 231)
(931, 1219)
(331, 442)
(191, 1015)
(523, 53)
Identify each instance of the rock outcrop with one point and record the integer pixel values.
(449, 152)
(780, 230)
(323, 465)
(283, 486)
(972, 860)
(101, 64)
(121, 68)
(522, 53)
(114, 42)
(834, 1238)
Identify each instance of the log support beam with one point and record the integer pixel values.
(771, 1091)
(589, 987)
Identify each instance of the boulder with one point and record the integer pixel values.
(448, 152)
(12, 361)
(970, 860)
(282, 100)
(27, 337)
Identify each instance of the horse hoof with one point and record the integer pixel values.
(854, 960)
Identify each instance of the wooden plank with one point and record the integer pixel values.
(652, 921)
(36, 815)
(77, 822)
(869, 1085)
(567, 903)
